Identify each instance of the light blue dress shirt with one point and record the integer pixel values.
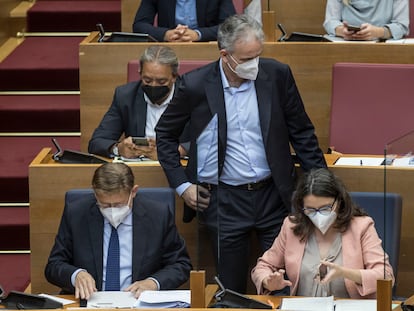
(125, 250)
(186, 14)
(245, 159)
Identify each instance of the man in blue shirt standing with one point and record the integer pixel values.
(245, 112)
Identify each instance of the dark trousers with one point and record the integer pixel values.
(232, 216)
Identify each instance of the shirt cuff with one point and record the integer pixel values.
(199, 34)
(73, 277)
(181, 188)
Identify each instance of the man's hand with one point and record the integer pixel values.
(84, 285)
(181, 33)
(196, 197)
(128, 149)
(139, 286)
(276, 281)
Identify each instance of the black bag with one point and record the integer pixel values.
(74, 157)
(20, 301)
(300, 36)
(227, 298)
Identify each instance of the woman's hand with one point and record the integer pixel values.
(337, 271)
(276, 281)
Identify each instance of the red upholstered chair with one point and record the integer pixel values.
(371, 105)
(239, 6)
(185, 66)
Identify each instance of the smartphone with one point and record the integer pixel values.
(323, 270)
(354, 28)
(140, 141)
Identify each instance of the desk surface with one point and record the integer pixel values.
(49, 181)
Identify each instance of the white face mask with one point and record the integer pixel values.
(323, 222)
(115, 215)
(247, 70)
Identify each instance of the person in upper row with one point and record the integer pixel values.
(137, 106)
(182, 21)
(327, 246)
(376, 19)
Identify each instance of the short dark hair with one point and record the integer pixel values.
(113, 178)
(322, 183)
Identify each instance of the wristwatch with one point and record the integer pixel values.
(115, 150)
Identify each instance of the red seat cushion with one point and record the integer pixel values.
(42, 63)
(14, 272)
(14, 228)
(17, 153)
(39, 113)
(55, 16)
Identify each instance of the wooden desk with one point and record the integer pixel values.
(103, 66)
(48, 183)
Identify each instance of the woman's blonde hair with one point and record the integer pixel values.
(346, 2)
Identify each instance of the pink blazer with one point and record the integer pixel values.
(361, 249)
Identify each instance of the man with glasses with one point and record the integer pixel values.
(150, 253)
(244, 112)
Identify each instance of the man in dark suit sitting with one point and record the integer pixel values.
(151, 253)
(137, 106)
(182, 21)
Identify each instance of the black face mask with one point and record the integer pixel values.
(156, 93)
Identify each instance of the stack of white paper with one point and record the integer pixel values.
(164, 299)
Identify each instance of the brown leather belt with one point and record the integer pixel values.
(254, 186)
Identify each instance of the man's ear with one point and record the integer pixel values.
(134, 190)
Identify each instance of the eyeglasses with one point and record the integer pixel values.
(106, 205)
(324, 210)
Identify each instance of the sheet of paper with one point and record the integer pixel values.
(63, 301)
(356, 305)
(308, 304)
(111, 300)
(359, 161)
(342, 40)
(405, 161)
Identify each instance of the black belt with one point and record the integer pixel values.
(253, 186)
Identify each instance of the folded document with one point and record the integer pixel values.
(148, 299)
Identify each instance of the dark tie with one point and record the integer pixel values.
(112, 263)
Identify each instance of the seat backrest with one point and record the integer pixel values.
(239, 6)
(185, 66)
(371, 105)
(163, 194)
(387, 221)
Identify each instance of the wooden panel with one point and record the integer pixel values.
(300, 15)
(6, 6)
(103, 66)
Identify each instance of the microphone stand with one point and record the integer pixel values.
(384, 286)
